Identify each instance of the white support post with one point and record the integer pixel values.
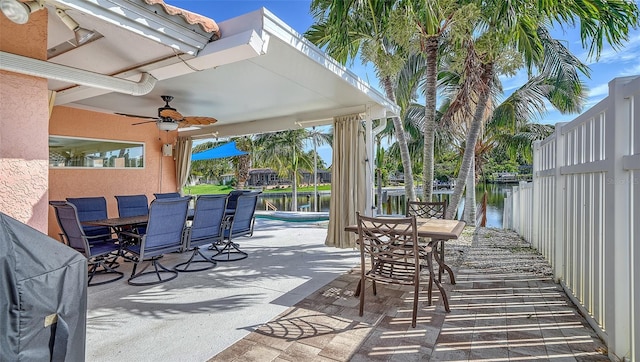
(370, 164)
(559, 213)
(617, 226)
(535, 202)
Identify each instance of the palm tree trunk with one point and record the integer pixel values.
(472, 137)
(402, 144)
(294, 190)
(294, 181)
(470, 197)
(431, 50)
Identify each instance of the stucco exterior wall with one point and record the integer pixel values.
(158, 175)
(24, 119)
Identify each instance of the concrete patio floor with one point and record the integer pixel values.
(198, 315)
(292, 300)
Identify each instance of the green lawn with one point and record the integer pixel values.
(217, 189)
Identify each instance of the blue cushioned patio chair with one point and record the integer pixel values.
(167, 195)
(232, 200)
(167, 218)
(90, 209)
(238, 224)
(207, 228)
(101, 254)
(133, 205)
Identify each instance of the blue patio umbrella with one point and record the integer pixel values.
(226, 150)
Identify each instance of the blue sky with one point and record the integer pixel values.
(295, 13)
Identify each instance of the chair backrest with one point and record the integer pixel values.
(232, 198)
(167, 218)
(243, 218)
(427, 210)
(167, 195)
(89, 209)
(392, 245)
(67, 217)
(132, 205)
(207, 224)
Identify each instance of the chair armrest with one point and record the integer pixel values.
(101, 236)
(130, 234)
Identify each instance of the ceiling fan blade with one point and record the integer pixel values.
(135, 116)
(135, 124)
(198, 121)
(170, 113)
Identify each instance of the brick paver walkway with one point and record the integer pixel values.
(504, 307)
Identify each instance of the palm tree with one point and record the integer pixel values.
(508, 27)
(345, 28)
(424, 24)
(243, 163)
(284, 152)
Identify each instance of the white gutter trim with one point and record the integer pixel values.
(40, 68)
(141, 18)
(275, 26)
(380, 127)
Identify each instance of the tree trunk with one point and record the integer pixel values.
(472, 138)
(431, 50)
(294, 190)
(470, 197)
(402, 144)
(294, 180)
(379, 177)
(242, 171)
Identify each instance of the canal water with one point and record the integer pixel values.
(496, 194)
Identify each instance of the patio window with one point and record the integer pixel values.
(94, 153)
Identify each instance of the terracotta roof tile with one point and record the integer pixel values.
(207, 24)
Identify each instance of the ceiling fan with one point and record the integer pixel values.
(169, 119)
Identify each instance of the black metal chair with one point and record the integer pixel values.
(207, 228)
(391, 245)
(101, 251)
(427, 210)
(238, 224)
(90, 209)
(432, 210)
(133, 205)
(167, 218)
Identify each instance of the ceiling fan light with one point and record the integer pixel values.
(83, 35)
(167, 126)
(17, 11)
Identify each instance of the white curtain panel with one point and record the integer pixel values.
(348, 180)
(183, 161)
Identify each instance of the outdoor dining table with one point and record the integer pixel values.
(434, 230)
(117, 223)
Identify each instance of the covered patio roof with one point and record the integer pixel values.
(259, 76)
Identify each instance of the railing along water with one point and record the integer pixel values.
(582, 213)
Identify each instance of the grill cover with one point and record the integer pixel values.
(43, 296)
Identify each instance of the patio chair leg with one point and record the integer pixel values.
(105, 269)
(360, 292)
(416, 292)
(184, 267)
(230, 252)
(158, 270)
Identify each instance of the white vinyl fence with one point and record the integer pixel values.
(582, 212)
